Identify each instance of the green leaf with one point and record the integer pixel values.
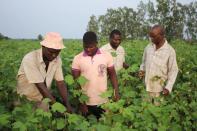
(127, 113)
(117, 127)
(73, 118)
(82, 80)
(41, 112)
(156, 111)
(69, 79)
(194, 115)
(4, 119)
(46, 100)
(107, 94)
(76, 93)
(60, 123)
(92, 119)
(83, 126)
(114, 106)
(113, 54)
(100, 127)
(83, 98)
(175, 127)
(155, 78)
(162, 128)
(58, 107)
(118, 118)
(34, 120)
(53, 122)
(134, 68)
(19, 125)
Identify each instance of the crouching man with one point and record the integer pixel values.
(39, 68)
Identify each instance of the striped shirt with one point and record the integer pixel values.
(160, 67)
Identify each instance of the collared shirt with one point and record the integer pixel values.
(94, 69)
(160, 67)
(118, 55)
(32, 70)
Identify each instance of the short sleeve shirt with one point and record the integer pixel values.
(32, 70)
(94, 69)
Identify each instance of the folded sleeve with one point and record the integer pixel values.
(75, 63)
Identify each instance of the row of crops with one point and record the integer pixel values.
(178, 111)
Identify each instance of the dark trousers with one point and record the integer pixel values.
(95, 110)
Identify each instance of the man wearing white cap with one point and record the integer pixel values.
(39, 68)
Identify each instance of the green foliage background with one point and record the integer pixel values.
(179, 20)
(176, 112)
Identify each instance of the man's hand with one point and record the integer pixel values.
(84, 109)
(126, 66)
(165, 92)
(141, 74)
(64, 94)
(116, 95)
(112, 75)
(45, 92)
(69, 109)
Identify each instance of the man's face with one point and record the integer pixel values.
(115, 41)
(49, 53)
(90, 49)
(155, 36)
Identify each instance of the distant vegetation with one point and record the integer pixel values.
(180, 21)
(3, 37)
(177, 112)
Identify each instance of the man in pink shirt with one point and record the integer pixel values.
(94, 65)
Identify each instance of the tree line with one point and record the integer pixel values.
(179, 21)
(3, 37)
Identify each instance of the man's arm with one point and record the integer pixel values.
(172, 73)
(142, 66)
(112, 75)
(75, 73)
(62, 88)
(125, 65)
(83, 107)
(45, 91)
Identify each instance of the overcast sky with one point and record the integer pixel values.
(28, 18)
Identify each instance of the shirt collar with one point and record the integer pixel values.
(97, 53)
(164, 46)
(40, 58)
(111, 48)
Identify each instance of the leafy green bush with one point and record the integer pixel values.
(176, 112)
